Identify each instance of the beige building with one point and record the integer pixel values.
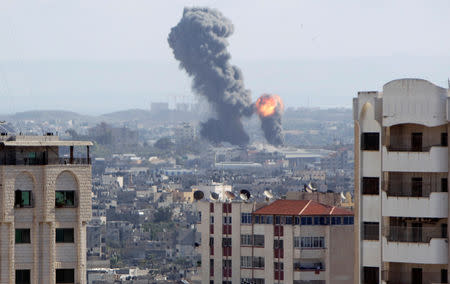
(286, 241)
(45, 202)
(401, 183)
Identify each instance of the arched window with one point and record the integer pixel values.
(23, 191)
(66, 190)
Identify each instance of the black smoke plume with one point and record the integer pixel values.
(199, 42)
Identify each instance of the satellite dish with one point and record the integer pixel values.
(245, 195)
(343, 196)
(310, 187)
(214, 196)
(198, 195)
(307, 189)
(230, 195)
(268, 194)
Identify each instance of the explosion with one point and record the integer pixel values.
(269, 109)
(267, 105)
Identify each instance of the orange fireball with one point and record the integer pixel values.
(268, 105)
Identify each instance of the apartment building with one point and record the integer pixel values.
(45, 203)
(401, 183)
(286, 241)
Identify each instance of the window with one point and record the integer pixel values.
(288, 221)
(371, 230)
(258, 240)
(311, 242)
(252, 281)
(316, 220)
(226, 242)
(211, 267)
(23, 277)
(444, 139)
(278, 265)
(246, 261)
(65, 198)
(348, 220)
(227, 263)
(246, 218)
(226, 208)
(370, 141)
(258, 262)
(65, 275)
(199, 216)
(444, 276)
(269, 220)
(296, 242)
(277, 244)
(257, 219)
(64, 236)
(444, 185)
(211, 219)
(370, 275)
(306, 220)
(211, 207)
(227, 219)
(246, 240)
(370, 185)
(211, 242)
(23, 236)
(336, 220)
(297, 220)
(22, 198)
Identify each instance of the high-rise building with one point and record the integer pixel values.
(286, 241)
(45, 202)
(401, 183)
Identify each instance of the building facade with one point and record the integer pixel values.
(401, 183)
(45, 202)
(286, 241)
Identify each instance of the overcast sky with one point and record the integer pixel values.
(304, 44)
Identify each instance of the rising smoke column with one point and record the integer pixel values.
(270, 108)
(199, 42)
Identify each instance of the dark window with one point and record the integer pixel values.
(256, 219)
(371, 231)
(226, 242)
(336, 220)
(22, 198)
(444, 231)
(416, 187)
(316, 221)
(288, 220)
(269, 220)
(416, 141)
(370, 185)
(277, 220)
(444, 185)
(258, 240)
(416, 276)
(64, 235)
(23, 236)
(370, 141)
(211, 267)
(211, 242)
(23, 277)
(65, 275)
(444, 276)
(444, 139)
(370, 275)
(296, 220)
(277, 244)
(65, 198)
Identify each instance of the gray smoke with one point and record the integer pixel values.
(273, 131)
(199, 42)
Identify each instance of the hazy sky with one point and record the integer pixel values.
(53, 48)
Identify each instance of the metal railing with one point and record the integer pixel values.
(411, 188)
(43, 161)
(413, 234)
(395, 148)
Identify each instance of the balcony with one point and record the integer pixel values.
(430, 159)
(433, 206)
(426, 245)
(44, 162)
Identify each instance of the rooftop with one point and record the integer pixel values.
(301, 208)
(38, 141)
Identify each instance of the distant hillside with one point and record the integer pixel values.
(46, 115)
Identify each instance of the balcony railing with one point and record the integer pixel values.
(414, 234)
(411, 188)
(43, 161)
(299, 266)
(395, 148)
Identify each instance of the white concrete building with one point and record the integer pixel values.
(286, 241)
(401, 183)
(45, 202)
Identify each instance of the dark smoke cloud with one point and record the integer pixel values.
(199, 42)
(273, 130)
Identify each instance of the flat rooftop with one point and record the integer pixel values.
(38, 141)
